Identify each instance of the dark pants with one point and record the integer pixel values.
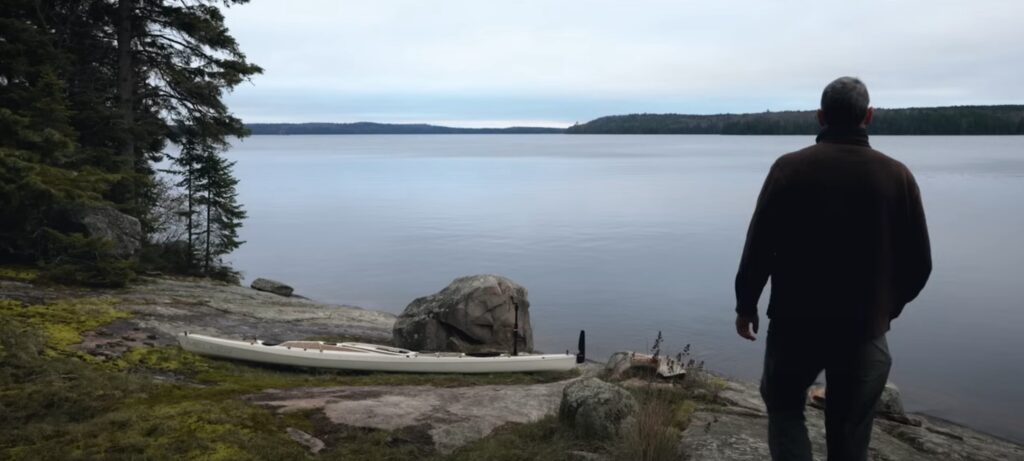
(856, 370)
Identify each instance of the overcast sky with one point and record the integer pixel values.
(555, 62)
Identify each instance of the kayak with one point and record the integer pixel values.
(370, 357)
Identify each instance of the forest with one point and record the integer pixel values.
(952, 120)
(93, 94)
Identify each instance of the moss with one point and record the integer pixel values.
(18, 273)
(546, 439)
(57, 406)
(200, 429)
(353, 443)
(64, 321)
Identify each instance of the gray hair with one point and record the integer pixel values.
(845, 102)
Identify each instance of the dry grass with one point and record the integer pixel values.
(652, 436)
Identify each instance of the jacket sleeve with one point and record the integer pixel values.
(915, 248)
(756, 262)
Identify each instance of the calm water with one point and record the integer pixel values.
(627, 235)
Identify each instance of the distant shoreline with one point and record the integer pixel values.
(385, 128)
(951, 120)
(914, 121)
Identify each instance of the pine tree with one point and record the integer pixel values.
(212, 214)
(186, 166)
(219, 201)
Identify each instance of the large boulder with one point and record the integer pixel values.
(473, 314)
(889, 406)
(596, 409)
(272, 286)
(123, 231)
(890, 403)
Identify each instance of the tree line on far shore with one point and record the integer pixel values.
(385, 128)
(952, 120)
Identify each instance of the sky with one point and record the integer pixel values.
(492, 63)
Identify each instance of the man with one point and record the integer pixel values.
(840, 229)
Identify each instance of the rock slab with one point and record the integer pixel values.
(165, 307)
(472, 314)
(451, 416)
(738, 431)
(312, 443)
(596, 409)
(272, 286)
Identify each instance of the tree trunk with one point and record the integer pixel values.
(125, 87)
(209, 205)
(190, 226)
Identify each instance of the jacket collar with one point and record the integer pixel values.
(857, 136)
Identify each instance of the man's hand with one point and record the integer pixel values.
(744, 324)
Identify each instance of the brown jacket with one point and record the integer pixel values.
(840, 229)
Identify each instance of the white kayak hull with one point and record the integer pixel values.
(368, 357)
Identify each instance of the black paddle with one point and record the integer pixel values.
(515, 327)
(581, 347)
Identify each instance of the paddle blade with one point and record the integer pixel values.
(582, 347)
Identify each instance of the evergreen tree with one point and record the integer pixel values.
(91, 91)
(211, 212)
(219, 201)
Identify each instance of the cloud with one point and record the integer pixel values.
(457, 58)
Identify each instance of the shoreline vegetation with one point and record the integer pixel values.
(97, 373)
(948, 120)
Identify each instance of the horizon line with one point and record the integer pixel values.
(442, 123)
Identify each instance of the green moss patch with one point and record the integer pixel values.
(546, 439)
(63, 322)
(18, 273)
(58, 406)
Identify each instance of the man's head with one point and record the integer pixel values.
(844, 104)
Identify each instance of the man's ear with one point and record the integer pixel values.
(868, 117)
(821, 118)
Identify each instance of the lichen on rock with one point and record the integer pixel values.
(596, 409)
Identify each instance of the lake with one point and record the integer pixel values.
(626, 236)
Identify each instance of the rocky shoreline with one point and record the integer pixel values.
(729, 425)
